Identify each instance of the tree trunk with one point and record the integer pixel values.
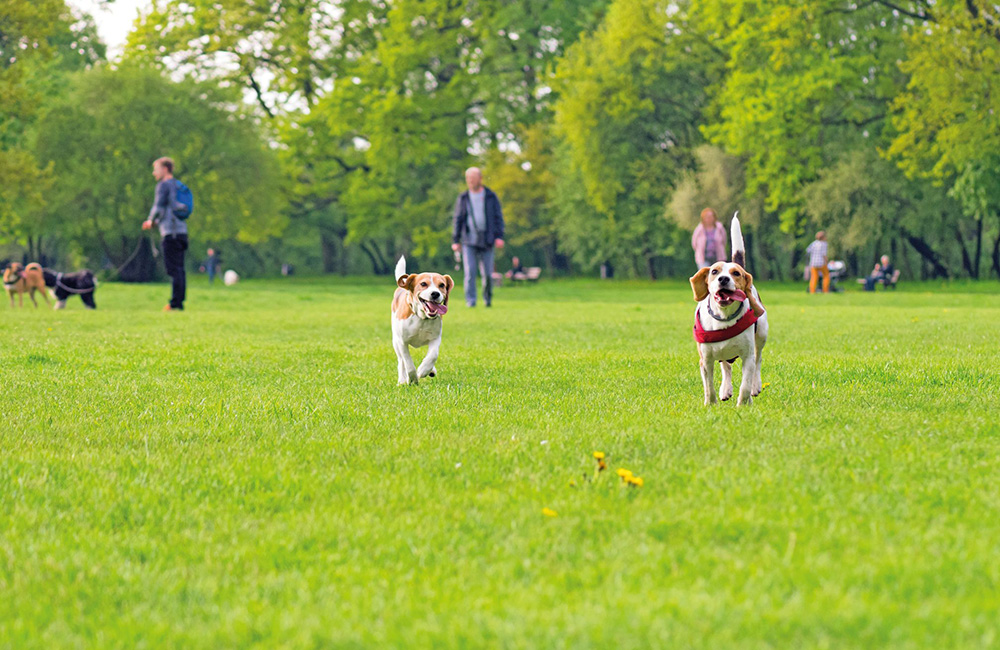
(904, 262)
(650, 266)
(928, 253)
(328, 248)
(379, 265)
(966, 260)
(979, 247)
(996, 256)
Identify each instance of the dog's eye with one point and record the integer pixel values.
(441, 286)
(715, 271)
(736, 274)
(423, 284)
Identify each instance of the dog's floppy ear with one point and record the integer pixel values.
(699, 284)
(758, 309)
(407, 281)
(449, 284)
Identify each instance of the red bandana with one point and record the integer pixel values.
(701, 335)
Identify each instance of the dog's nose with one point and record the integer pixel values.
(724, 279)
(435, 295)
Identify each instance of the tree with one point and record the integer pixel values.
(101, 138)
(947, 122)
(525, 178)
(805, 81)
(866, 204)
(40, 42)
(629, 106)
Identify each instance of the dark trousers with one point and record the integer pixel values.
(173, 258)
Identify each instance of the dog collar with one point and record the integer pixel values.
(701, 335)
(725, 320)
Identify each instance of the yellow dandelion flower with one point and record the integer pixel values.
(599, 455)
(765, 384)
(572, 483)
(624, 473)
(635, 481)
(549, 512)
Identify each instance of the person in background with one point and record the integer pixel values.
(516, 271)
(882, 272)
(478, 227)
(819, 262)
(212, 265)
(173, 230)
(709, 240)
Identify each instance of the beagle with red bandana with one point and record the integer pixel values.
(729, 323)
(420, 301)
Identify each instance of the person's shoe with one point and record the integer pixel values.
(471, 305)
(169, 308)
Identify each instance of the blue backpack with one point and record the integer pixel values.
(183, 201)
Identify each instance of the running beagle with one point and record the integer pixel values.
(729, 323)
(417, 307)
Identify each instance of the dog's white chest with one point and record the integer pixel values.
(417, 332)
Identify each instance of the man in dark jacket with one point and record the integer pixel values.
(478, 227)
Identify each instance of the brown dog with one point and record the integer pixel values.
(420, 300)
(24, 279)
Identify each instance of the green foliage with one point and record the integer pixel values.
(40, 42)
(804, 82)
(373, 109)
(526, 180)
(102, 137)
(627, 112)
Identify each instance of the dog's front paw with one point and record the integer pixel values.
(433, 373)
(726, 393)
(748, 400)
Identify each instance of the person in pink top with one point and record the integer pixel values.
(709, 240)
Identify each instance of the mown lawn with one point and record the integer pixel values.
(248, 473)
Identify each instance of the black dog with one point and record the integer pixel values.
(64, 285)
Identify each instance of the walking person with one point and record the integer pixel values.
(214, 263)
(168, 213)
(709, 240)
(819, 262)
(478, 228)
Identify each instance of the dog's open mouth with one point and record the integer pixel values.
(729, 296)
(434, 308)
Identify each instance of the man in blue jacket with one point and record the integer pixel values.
(478, 227)
(173, 230)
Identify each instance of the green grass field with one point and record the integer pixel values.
(248, 473)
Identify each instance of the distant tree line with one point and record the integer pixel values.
(334, 135)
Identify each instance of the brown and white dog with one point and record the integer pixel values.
(730, 323)
(420, 301)
(24, 279)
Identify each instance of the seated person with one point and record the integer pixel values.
(882, 272)
(516, 270)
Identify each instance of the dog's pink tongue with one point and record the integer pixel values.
(739, 295)
(437, 309)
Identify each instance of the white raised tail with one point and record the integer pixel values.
(401, 267)
(739, 249)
